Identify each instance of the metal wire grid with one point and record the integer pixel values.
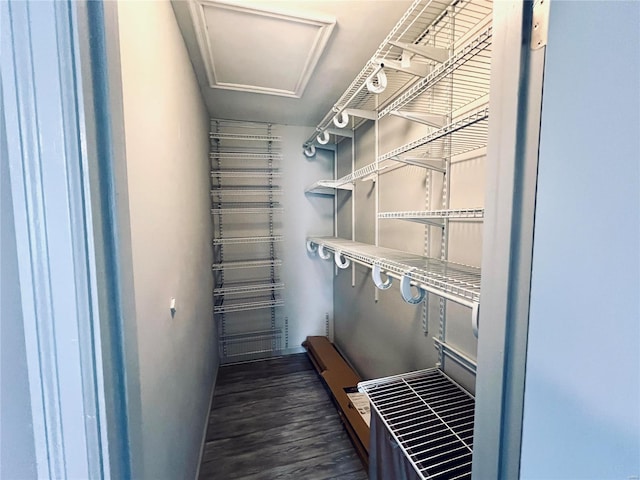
(249, 346)
(243, 137)
(246, 208)
(426, 22)
(242, 157)
(425, 215)
(268, 263)
(246, 240)
(430, 417)
(245, 288)
(461, 283)
(230, 306)
(246, 173)
(463, 135)
(462, 79)
(246, 191)
(245, 154)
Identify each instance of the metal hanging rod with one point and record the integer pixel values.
(457, 356)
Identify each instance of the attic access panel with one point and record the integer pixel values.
(250, 49)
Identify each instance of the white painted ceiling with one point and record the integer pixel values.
(271, 47)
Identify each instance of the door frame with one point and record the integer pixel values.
(72, 236)
(512, 166)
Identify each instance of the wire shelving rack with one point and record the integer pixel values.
(456, 282)
(430, 418)
(245, 172)
(433, 40)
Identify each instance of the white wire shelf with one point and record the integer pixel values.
(247, 208)
(464, 135)
(247, 173)
(250, 345)
(244, 137)
(460, 136)
(244, 306)
(463, 79)
(241, 210)
(427, 24)
(242, 264)
(265, 286)
(247, 240)
(456, 282)
(248, 155)
(249, 191)
(430, 417)
(436, 217)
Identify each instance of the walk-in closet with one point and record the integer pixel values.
(320, 239)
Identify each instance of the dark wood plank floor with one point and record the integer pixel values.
(273, 420)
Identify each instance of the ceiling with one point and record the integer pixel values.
(281, 61)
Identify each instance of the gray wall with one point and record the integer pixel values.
(17, 452)
(308, 293)
(581, 413)
(166, 143)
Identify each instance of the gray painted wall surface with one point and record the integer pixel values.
(582, 398)
(308, 294)
(386, 337)
(166, 139)
(17, 452)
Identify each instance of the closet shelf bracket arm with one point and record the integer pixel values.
(416, 69)
(432, 53)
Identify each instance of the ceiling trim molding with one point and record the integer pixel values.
(325, 25)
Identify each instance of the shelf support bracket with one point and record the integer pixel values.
(419, 70)
(360, 113)
(426, 51)
(430, 119)
(436, 164)
(340, 132)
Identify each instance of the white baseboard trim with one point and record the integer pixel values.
(206, 422)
